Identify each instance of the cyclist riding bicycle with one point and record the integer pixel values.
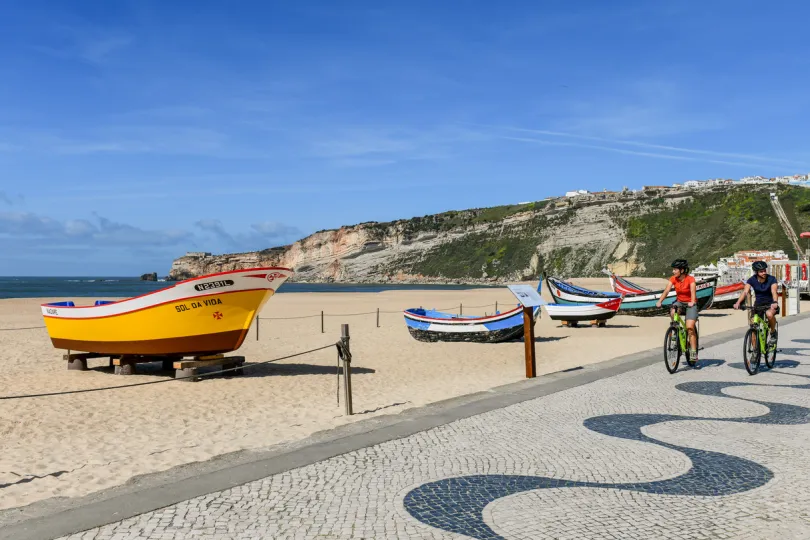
(686, 296)
(764, 286)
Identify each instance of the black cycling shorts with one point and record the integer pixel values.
(762, 308)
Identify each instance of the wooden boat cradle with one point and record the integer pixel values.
(594, 323)
(184, 368)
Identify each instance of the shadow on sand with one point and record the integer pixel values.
(249, 370)
(548, 339)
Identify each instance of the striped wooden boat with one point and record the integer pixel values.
(205, 315)
(430, 325)
(724, 297)
(641, 304)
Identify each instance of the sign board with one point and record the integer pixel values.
(527, 295)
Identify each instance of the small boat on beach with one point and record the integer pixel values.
(640, 304)
(583, 312)
(430, 325)
(205, 315)
(724, 296)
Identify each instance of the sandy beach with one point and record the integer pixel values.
(72, 445)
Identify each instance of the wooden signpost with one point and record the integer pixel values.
(530, 299)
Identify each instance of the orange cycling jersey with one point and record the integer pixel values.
(683, 294)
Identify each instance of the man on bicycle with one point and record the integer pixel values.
(764, 286)
(686, 296)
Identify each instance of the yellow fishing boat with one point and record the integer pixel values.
(200, 316)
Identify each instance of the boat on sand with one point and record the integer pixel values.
(205, 315)
(725, 296)
(583, 312)
(641, 304)
(431, 325)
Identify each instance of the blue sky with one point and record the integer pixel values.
(133, 131)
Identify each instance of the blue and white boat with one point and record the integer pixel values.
(431, 325)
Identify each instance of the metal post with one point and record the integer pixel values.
(321, 322)
(784, 303)
(257, 328)
(496, 306)
(461, 309)
(378, 317)
(347, 370)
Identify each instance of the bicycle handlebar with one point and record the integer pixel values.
(751, 308)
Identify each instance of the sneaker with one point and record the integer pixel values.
(772, 339)
(694, 356)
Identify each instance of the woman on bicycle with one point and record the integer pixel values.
(764, 286)
(686, 296)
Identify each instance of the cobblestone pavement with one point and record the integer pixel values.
(708, 453)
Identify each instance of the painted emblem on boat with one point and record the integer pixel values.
(217, 315)
(213, 284)
(272, 276)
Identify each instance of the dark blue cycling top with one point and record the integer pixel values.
(762, 290)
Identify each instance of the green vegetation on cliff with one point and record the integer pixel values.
(716, 224)
(702, 228)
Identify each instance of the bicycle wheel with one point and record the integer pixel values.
(751, 352)
(770, 352)
(672, 350)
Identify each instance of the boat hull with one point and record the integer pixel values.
(494, 336)
(431, 327)
(639, 305)
(188, 319)
(727, 296)
(583, 312)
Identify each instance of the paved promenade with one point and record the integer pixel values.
(708, 453)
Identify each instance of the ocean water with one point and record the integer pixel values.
(125, 287)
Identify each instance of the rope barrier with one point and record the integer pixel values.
(26, 328)
(287, 318)
(165, 380)
(362, 313)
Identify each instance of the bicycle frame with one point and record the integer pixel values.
(760, 325)
(681, 325)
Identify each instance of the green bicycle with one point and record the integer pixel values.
(755, 343)
(676, 342)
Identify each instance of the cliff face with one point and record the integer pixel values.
(634, 235)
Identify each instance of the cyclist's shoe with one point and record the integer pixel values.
(694, 356)
(772, 339)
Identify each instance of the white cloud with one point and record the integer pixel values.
(82, 232)
(261, 236)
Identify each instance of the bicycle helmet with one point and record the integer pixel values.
(680, 263)
(759, 265)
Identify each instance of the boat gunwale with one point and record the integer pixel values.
(170, 287)
(150, 306)
(505, 315)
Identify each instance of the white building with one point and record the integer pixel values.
(576, 193)
(754, 180)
